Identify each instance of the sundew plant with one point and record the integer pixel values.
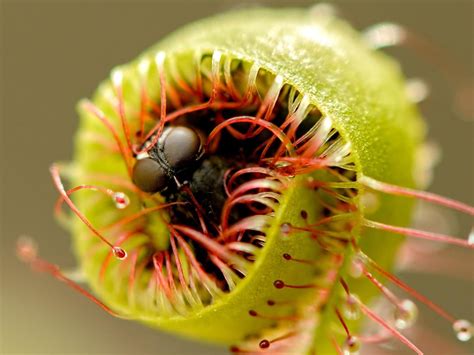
(249, 181)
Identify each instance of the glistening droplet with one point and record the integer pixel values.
(356, 268)
(405, 314)
(350, 308)
(285, 228)
(351, 346)
(264, 344)
(463, 329)
(119, 253)
(121, 200)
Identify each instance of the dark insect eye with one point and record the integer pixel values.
(182, 145)
(149, 175)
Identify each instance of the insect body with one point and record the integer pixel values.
(177, 151)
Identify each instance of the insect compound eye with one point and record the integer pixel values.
(181, 146)
(149, 175)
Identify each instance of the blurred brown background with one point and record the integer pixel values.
(55, 52)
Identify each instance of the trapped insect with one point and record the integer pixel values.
(262, 236)
(179, 149)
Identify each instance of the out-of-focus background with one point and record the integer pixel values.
(55, 52)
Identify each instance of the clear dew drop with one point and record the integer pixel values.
(350, 308)
(285, 229)
(405, 314)
(119, 253)
(144, 67)
(26, 249)
(417, 90)
(160, 58)
(117, 77)
(384, 35)
(322, 10)
(370, 202)
(121, 200)
(356, 268)
(351, 346)
(463, 329)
